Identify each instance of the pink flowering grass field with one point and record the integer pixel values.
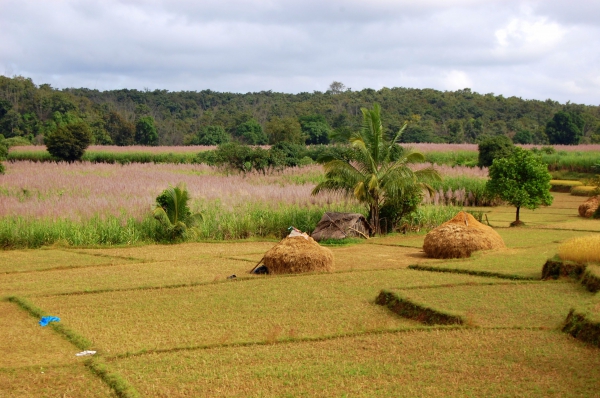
(45, 202)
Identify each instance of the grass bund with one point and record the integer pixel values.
(165, 320)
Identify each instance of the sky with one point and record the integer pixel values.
(529, 49)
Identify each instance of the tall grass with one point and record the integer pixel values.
(581, 250)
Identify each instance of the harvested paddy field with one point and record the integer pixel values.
(165, 320)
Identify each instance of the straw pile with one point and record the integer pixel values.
(587, 208)
(298, 254)
(460, 237)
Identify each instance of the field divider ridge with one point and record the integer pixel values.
(418, 311)
(286, 340)
(486, 274)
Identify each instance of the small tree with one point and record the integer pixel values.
(145, 131)
(522, 179)
(69, 142)
(494, 148)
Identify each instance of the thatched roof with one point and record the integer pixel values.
(587, 208)
(298, 254)
(341, 225)
(460, 237)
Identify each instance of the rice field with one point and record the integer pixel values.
(167, 320)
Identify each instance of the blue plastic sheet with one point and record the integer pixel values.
(47, 319)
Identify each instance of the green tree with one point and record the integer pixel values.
(173, 213)
(521, 179)
(69, 141)
(372, 177)
(251, 132)
(284, 129)
(565, 128)
(145, 131)
(316, 129)
(3, 153)
(494, 148)
(211, 135)
(120, 130)
(10, 124)
(523, 137)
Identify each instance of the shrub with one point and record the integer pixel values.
(69, 142)
(173, 213)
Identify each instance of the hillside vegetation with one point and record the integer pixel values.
(160, 117)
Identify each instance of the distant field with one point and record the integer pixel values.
(166, 321)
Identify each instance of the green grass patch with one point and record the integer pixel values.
(532, 304)
(264, 309)
(36, 260)
(436, 363)
(52, 381)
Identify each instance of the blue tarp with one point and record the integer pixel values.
(47, 319)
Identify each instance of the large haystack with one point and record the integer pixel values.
(341, 225)
(587, 208)
(460, 237)
(298, 254)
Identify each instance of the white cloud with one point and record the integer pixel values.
(457, 80)
(500, 46)
(527, 38)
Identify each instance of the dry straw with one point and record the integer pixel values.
(581, 250)
(460, 237)
(298, 254)
(587, 208)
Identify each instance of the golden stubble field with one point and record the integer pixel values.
(166, 321)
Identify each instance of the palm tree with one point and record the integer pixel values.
(172, 211)
(379, 171)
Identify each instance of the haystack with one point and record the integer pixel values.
(587, 208)
(298, 254)
(460, 237)
(341, 225)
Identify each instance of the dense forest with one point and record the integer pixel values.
(160, 117)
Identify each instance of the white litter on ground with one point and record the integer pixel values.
(85, 353)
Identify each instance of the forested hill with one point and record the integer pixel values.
(126, 117)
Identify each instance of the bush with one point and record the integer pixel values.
(69, 142)
(494, 148)
(396, 209)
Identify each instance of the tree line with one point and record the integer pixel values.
(159, 117)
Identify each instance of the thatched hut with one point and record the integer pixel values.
(341, 225)
(460, 237)
(587, 208)
(298, 254)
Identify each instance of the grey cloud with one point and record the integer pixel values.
(295, 46)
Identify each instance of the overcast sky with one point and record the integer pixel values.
(530, 49)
